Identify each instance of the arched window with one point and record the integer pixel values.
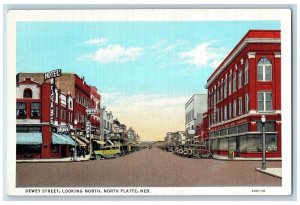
(27, 93)
(264, 70)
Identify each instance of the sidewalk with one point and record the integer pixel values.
(275, 172)
(219, 157)
(67, 159)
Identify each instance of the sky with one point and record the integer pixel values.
(145, 71)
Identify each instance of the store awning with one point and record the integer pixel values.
(30, 138)
(62, 139)
(99, 142)
(79, 142)
(84, 140)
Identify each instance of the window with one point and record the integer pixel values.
(70, 104)
(27, 93)
(70, 117)
(56, 111)
(240, 79)
(246, 73)
(225, 88)
(229, 112)
(54, 148)
(35, 110)
(221, 114)
(234, 83)
(265, 101)
(225, 112)
(246, 103)
(234, 108)
(229, 84)
(264, 70)
(21, 110)
(240, 106)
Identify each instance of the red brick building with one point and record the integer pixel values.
(245, 86)
(66, 111)
(36, 138)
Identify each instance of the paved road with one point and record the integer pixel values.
(150, 168)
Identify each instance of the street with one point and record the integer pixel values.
(145, 168)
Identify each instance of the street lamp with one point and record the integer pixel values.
(263, 121)
(75, 149)
(209, 149)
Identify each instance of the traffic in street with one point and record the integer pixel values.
(145, 168)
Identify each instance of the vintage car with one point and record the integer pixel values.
(200, 151)
(108, 152)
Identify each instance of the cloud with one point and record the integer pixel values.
(204, 54)
(96, 41)
(114, 53)
(152, 115)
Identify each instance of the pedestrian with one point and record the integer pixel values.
(83, 152)
(72, 153)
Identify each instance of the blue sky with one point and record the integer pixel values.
(144, 61)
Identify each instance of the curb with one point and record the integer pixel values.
(268, 173)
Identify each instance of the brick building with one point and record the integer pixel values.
(84, 96)
(245, 86)
(36, 138)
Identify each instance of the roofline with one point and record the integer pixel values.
(235, 52)
(192, 97)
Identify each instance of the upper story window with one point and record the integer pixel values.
(234, 83)
(229, 84)
(240, 78)
(27, 93)
(35, 110)
(225, 112)
(246, 73)
(229, 110)
(264, 70)
(246, 103)
(265, 101)
(234, 109)
(225, 88)
(240, 106)
(21, 110)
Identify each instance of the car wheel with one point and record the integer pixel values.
(98, 157)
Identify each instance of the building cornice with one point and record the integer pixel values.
(234, 54)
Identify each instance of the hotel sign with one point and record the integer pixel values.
(52, 75)
(63, 129)
(91, 111)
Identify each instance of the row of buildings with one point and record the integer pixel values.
(56, 111)
(245, 86)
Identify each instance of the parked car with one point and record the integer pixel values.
(108, 152)
(200, 151)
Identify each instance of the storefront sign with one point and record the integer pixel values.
(53, 74)
(62, 129)
(91, 111)
(88, 129)
(52, 100)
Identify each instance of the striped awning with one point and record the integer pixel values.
(62, 139)
(79, 142)
(29, 138)
(99, 142)
(84, 140)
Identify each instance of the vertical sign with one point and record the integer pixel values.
(88, 129)
(52, 75)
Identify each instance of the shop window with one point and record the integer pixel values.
(243, 128)
(254, 143)
(264, 70)
(223, 132)
(223, 144)
(27, 93)
(35, 110)
(22, 129)
(232, 144)
(242, 144)
(232, 130)
(21, 110)
(214, 145)
(265, 101)
(269, 126)
(55, 148)
(28, 151)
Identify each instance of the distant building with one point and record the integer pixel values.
(106, 123)
(194, 109)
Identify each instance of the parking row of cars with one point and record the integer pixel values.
(189, 150)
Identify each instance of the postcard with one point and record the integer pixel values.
(147, 102)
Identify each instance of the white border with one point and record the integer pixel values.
(283, 15)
